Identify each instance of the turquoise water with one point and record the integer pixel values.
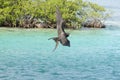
(26, 54)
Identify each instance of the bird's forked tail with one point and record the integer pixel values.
(56, 39)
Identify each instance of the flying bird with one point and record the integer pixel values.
(62, 35)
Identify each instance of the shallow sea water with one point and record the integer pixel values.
(26, 54)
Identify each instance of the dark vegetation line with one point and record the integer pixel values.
(41, 13)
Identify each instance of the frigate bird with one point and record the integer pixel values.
(62, 35)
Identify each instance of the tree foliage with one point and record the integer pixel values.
(74, 12)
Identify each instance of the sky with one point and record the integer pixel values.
(107, 3)
(113, 6)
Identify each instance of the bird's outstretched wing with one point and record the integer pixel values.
(56, 39)
(60, 21)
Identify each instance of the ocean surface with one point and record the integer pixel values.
(26, 54)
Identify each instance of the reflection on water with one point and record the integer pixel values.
(27, 55)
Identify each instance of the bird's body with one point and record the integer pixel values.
(62, 35)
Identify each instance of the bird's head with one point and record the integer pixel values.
(68, 43)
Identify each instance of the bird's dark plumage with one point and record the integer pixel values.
(62, 35)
